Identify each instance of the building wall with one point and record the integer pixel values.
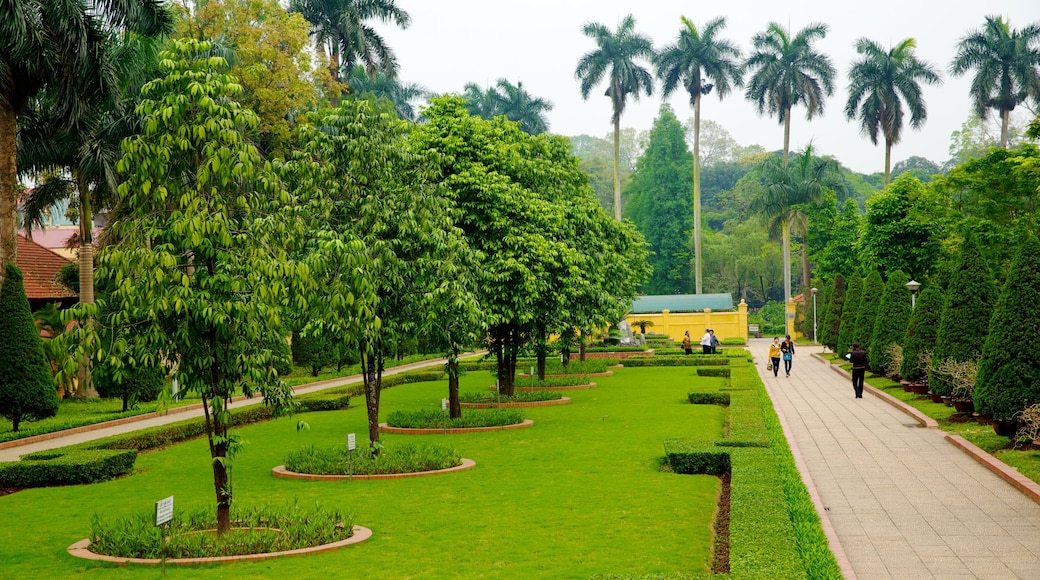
(727, 324)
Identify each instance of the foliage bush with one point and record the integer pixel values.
(683, 360)
(65, 467)
(920, 333)
(831, 327)
(733, 341)
(1009, 371)
(435, 419)
(713, 372)
(869, 302)
(966, 312)
(300, 527)
(550, 382)
(132, 385)
(27, 388)
(405, 458)
(849, 311)
(890, 323)
(518, 397)
(577, 367)
(615, 349)
(313, 350)
(709, 398)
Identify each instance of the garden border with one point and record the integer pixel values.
(563, 375)
(493, 405)
(284, 473)
(384, 428)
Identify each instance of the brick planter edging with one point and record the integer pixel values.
(918, 416)
(1027, 486)
(550, 402)
(81, 549)
(284, 473)
(384, 428)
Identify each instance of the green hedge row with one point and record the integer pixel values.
(677, 361)
(702, 372)
(65, 467)
(709, 399)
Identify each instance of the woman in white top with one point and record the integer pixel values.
(706, 342)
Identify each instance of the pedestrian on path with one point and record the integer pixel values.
(774, 356)
(686, 343)
(858, 356)
(706, 342)
(787, 353)
(714, 342)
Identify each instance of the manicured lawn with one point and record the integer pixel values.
(79, 412)
(579, 494)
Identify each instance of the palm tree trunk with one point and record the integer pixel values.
(1005, 119)
(785, 230)
(697, 193)
(787, 143)
(334, 65)
(806, 274)
(8, 186)
(617, 173)
(85, 389)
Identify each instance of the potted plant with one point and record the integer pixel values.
(961, 376)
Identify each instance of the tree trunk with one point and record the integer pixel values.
(8, 186)
(787, 135)
(697, 193)
(85, 389)
(454, 406)
(785, 229)
(888, 161)
(369, 371)
(806, 273)
(565, 355)
(541, 365)
(1005, 119)
(334, 65)
(617, 171)
(506, 359)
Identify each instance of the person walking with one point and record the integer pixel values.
(774, 356)
(687, 344)
(787, 353)
(714, 342)
(706, 342)
(859, 359)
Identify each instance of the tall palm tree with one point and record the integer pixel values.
(480, 102)
(789, 188)
(342, 32)
(518, 105)
(59, 46)
(399, 93)
(616, 58)
(787, 72)
(879, 85)
(696, 57)
(1006, 64)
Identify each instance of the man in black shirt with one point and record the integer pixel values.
(858, 357)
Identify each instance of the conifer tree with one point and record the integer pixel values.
(849, 312)
(920, 333)
(890, 324)
(870, 300)
(966, 311)
(1009, 370)
(27, 389)
(831, 329)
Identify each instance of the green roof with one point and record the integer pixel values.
(681, 303)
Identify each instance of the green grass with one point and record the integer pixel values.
(77, 413)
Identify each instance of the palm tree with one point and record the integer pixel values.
(518, 105)
(341, 31)
(392, 89)
(879, 85)
(788, 72)
(616, 58)
(695, 58)
(788, 190)
(480, 102)
(1006, 64)
(59, 46)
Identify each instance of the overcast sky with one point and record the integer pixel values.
(539, 42)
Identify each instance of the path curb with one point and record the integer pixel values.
(918, 416)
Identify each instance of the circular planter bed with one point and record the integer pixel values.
(284, 473)
(384, 428)
(563, 388)
(81, 549)
(603, 374)
(508, 404)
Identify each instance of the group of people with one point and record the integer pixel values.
(785, 351)
(709, 342)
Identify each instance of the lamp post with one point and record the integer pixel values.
(814, 315)
(913, 286)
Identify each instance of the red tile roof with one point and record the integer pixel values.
(39, 267)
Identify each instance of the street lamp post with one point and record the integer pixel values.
(814, 315)
(913, 286)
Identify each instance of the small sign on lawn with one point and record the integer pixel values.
(351, 442)
(163, 511)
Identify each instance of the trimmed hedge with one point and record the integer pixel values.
(700, 462)
(66, 467)
(709, 398)
(678, 361)
(709, 372)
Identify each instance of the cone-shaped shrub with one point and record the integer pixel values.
(890, 324)
(832, 320)
(970, 297)
(848, 315)
(920, 333)
(26, 385)
(869, 302)
(1009, 370)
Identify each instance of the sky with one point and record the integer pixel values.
(539, 42)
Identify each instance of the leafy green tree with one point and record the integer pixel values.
(131, 385)
(1009, 377)
(697, 57)
(970, 297)
(891, 321)
(60, 47)
(26, 386)
(201, 270)
(616, 58)
(1007, 68)
(881, 84)
(921, 168)
(743, 261)
(920, 334)
(866, 314)
(831, 328)
(314, 350)
(393, 89)
(849, 312)
(660, 207)
(904, 229)
(789, 71)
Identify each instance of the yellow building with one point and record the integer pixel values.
(674, 314)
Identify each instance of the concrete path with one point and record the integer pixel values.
(150, 420)
(902, 501)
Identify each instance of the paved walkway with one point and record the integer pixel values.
(902, 501)
(151, 420)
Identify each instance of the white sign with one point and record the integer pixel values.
(351, 442)
(163, 511)
(444, 404)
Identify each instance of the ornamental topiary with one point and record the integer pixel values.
(920, 334)
(831, 329)
(1008, 380)
(27, 388)
(964, 325)
(849, 311)
(890, 324)
(869, 302)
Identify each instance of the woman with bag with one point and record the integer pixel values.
(774, 357)
(787, 351)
